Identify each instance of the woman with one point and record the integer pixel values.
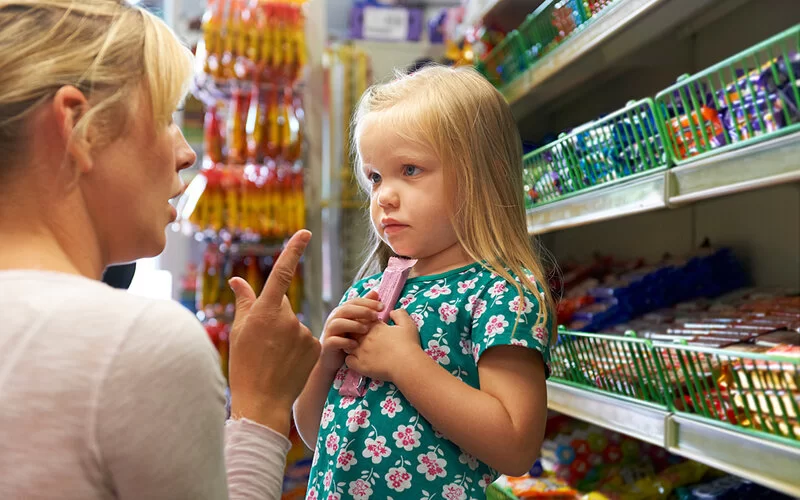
(104, 394)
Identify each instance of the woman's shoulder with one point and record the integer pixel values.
(74, 310)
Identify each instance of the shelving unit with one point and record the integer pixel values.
(624, 27)
(761, 165)
(684, 203)
(767, 462)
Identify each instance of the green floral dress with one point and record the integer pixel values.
(379, 446)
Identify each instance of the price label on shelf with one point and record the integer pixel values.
(386, 23)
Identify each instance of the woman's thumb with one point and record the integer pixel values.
(245, 296)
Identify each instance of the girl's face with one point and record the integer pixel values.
(409, 207)
(130, 186)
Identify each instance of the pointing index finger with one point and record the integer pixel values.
(283, 271)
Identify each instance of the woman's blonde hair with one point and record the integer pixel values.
(466, 122)
(106, 48)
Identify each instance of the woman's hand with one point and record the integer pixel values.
(347, 323)
(386, 350)
(271, 352)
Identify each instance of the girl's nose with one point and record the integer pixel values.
(387, 197)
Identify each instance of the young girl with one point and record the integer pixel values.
(457, 392)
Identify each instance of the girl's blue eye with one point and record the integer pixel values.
(410, 170)
(374, 177)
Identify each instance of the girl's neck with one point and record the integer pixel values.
(448, 259)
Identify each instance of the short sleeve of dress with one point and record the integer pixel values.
(494, 315)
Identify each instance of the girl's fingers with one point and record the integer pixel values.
(341, 344)
(354, 311)
(340, 327)
(369, 301)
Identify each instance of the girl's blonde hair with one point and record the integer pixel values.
(106, 48)
(466, 122)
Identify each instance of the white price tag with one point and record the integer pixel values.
(385, 23)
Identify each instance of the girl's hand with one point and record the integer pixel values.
(386, 350)
(345, 325)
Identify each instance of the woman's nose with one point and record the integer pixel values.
(184, 154)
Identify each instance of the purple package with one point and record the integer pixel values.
(392, 282)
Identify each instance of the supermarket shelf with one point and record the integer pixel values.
(763, 461)
(768, 463)
(636, 420)
(622, 28)
(765, 164)
(602, 203)
(769, 163)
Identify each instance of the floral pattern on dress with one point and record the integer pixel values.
(379, 446)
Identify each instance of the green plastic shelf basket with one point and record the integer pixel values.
(551, 24)
(754, 393)
(622, 366)
(505, 62)
(624, 144)
(750, 97)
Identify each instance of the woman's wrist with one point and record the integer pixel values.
(277, 416)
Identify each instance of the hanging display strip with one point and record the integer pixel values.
(750, 97)
(622, 145)
(250, 65)
(248, 197)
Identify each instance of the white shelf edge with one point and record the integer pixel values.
(763, 461)
(772, 162)
(606, 202)
(768, 463)
(638, 421)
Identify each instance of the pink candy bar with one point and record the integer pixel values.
(392, 282)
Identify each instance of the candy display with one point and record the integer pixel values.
(541, 32)
(721, 351)
(586, 462)
(750, 95)
(252, 202)
(249, 195)
(550, 24)
(613, 293)
(620, 145)
(260, 39)
(215, 300)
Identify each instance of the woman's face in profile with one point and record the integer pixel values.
(131, 183)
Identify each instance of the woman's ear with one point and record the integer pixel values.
(69, 106)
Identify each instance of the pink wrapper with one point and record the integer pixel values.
(392, 282)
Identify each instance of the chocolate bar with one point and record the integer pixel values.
(392, 282)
